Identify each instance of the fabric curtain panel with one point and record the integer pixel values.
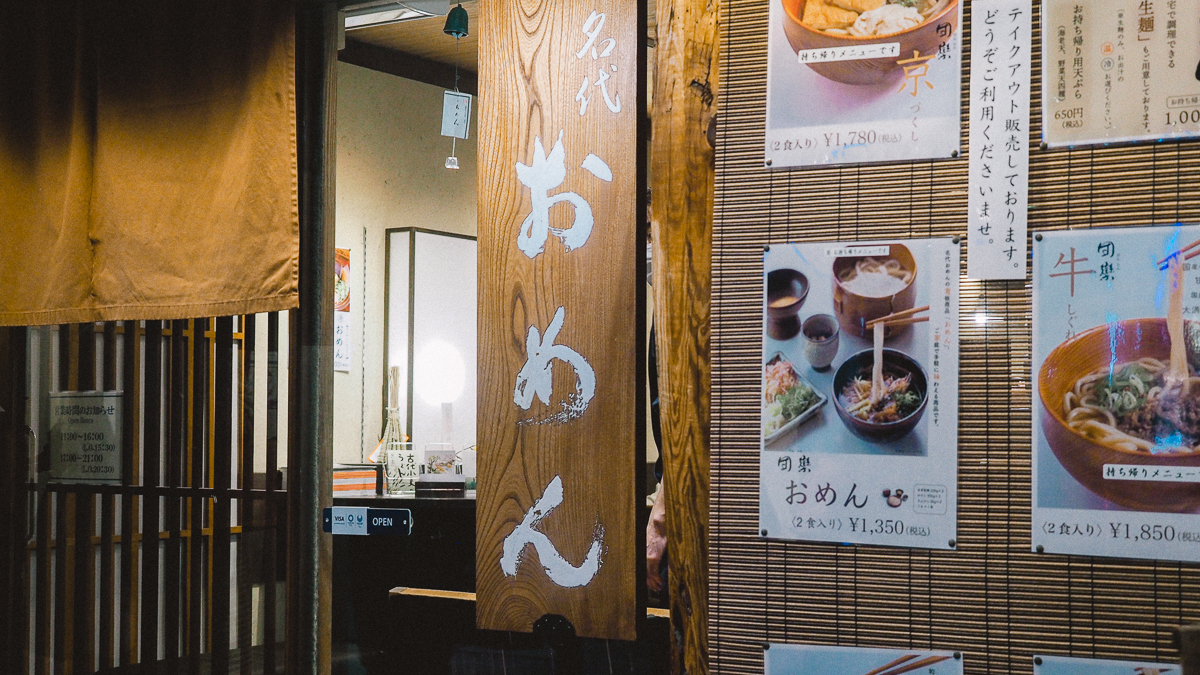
(147, 159)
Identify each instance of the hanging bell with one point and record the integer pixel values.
(456, 22)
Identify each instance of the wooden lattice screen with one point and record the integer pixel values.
(87, 591)
(992, 598)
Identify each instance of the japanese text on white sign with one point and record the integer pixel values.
(999, 164)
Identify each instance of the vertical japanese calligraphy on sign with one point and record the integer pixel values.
(852, 452)
(876, 83)
(1120, 70)
(1116, 434)
(788, 659)
(999, 163)
(1062, 665)
(561, 309)
(343, 343)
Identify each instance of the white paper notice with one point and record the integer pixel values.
(999, 165)
(85, 437)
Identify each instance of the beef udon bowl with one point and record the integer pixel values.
(919, 26)
(1107, 398)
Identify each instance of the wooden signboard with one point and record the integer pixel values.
(561, 316)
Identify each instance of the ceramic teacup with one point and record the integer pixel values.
(821, 333)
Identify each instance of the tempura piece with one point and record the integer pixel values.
(886, 20)
(822, 16)
(859, 5)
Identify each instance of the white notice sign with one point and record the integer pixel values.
(999, 166)
(85, 437)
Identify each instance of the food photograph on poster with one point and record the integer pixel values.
(1116, 352)
(859, 392)
(862, 81)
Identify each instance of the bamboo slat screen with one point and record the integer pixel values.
(207, 596)
(991, 598)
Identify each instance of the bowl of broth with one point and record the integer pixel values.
(786, 291)
(869, 287)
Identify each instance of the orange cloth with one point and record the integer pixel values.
(147, 160)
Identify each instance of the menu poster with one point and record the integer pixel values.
(785, 659)
(880, 85)
(1062, 665)
(1120, 70)
(859, 425)
(1116, 429)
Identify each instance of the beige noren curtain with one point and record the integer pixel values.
(147, 159)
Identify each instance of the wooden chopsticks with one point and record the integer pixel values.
(905, 318)
(906, 664)
(1162, 264)
(893, 664)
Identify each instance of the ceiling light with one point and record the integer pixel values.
(380, 15)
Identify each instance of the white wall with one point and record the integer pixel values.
(390, 173)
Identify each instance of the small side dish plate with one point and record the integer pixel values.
(811, 411)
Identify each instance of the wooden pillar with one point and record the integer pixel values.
(681, 179)
(310, 451)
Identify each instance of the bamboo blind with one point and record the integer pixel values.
(991, 598)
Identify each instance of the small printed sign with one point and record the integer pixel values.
(362, 521)
(85, 437)
(1153, 473)
(839, 251)
(456, 114)
(851, 53)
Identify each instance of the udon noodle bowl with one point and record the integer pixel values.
(1134, 407)
(872, 278)
(868, 18)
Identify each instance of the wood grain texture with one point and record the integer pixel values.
(682, 178)
(530, 77)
